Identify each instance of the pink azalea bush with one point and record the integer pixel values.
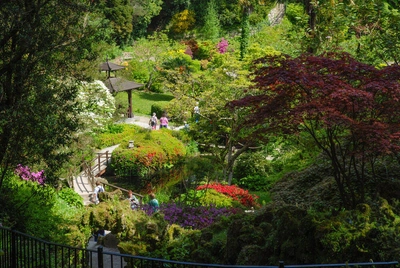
(222, 46)
(25, 173)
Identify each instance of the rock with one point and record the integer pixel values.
(110, 241)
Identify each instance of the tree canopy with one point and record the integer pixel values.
(350, 109)
(41, 44)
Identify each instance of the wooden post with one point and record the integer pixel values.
(98, 162)
(130, 103)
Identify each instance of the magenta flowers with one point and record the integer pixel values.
(222, 46)
(25, 173)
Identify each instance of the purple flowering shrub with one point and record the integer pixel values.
(25, 173)
(192, 217)
(222, 46)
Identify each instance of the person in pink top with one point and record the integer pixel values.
(163, 121)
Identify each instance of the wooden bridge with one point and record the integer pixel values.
(84, 182)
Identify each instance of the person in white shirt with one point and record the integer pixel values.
(196, 111)
(97, 190)
(153, 121)
(134, 202)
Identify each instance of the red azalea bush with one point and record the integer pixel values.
(233, 191)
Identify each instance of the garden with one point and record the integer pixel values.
(291, 146)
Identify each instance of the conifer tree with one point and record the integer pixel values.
(244, 39)
(211, 27)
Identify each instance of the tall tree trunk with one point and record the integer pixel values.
(233, 154)
(309, 8)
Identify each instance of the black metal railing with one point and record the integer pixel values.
(19, 250)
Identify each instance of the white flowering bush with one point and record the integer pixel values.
(97, 105)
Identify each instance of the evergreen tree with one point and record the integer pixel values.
(244, 39)
(211, 27)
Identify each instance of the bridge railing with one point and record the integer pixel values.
(139, 196)
(21, 250)
(90, 168)
(94, 167)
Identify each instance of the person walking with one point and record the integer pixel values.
(134, 202)
(97, 190)
(153, 121)
(164, 121)
(196, 112)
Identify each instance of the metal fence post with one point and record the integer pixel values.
(100, 263)
(281, 264)
(13, 250)
(43, 251)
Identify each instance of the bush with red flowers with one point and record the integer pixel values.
(233, 191)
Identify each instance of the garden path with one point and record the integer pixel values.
(143, 121)
(116, 262)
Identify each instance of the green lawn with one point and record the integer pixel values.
(142, 101)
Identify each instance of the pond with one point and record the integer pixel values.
(170, 182)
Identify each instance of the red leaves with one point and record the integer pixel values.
(334, 89)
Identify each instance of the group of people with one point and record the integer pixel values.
(133, 200)
(164, 120)
(154, 120)
(135, 204)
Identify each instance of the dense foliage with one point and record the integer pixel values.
(41, 49)
(350, 110)
(42, 211)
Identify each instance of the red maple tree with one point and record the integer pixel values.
(350, 109)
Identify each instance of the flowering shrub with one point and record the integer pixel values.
(188, 51)
(192, 48)
(25, 173)
(209, 198)
(96, 104)
(222, 46)
(233, 191)
(192, 217)
(153, 151)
